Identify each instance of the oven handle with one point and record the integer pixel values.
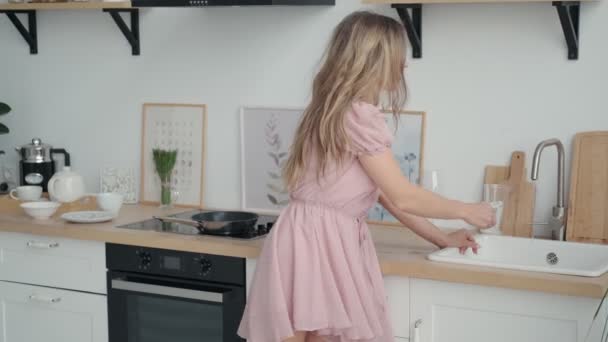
(167, 291)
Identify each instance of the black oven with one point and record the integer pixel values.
(157, 295)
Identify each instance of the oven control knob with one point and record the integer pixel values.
(205, 266)
(145, 259)
(262, 229)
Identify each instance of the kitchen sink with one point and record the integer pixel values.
(549, 256)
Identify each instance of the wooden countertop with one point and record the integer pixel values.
(400, 252)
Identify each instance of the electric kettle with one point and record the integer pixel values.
(37, 165)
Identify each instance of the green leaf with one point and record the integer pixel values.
(274, 157)
(284, 202)
(164, 161)
(273, 175)
(3, 129)
(4, 108)
(272, 199)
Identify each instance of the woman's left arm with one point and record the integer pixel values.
(462, 239)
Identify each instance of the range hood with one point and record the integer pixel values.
(210, 3)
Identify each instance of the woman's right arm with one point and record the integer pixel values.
(382, 168)
(370, 140)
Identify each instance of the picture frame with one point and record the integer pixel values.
(408, 149)
(266, 135)
(174, 126)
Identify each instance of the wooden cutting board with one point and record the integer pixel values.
(525, 208)
(518, 213)
(588, 201)
(496, 174)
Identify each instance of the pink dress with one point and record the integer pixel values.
(318, 270)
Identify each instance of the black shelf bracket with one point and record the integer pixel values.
(412, 24)
(29, 34)
(131, 34)
(569, 12)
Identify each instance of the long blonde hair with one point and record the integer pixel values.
(365, 58)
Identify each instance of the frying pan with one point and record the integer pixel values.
(218, 222)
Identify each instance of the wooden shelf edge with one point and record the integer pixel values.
(397, 2)
(66, 5)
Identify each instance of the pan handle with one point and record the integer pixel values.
(182, 221)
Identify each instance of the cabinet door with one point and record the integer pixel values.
(32, 313)
(56, 262)
(398, 297)
(450, 312)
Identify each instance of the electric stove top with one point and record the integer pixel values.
(262, 227)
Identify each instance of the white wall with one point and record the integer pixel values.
(493, 79)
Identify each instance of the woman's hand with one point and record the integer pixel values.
(480, 215)
(463, 240)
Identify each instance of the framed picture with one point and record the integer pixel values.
(266, 135)
(180, 127)
(408, 149)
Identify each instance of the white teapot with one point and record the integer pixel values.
(66, 186)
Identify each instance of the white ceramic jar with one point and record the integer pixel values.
(66, 186)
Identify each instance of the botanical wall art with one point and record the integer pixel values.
(180, 127)
(408, 147)
(266, 135)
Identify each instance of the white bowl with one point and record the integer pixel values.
(40, 210)
(109, 202)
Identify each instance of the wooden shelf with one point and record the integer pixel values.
(65, 6)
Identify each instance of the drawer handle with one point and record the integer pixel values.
(44, 299)
(167, 291)
(42, 245)
(417, 325)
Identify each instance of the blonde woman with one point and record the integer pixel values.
(318, 277)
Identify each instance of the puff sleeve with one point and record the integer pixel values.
(367, 130)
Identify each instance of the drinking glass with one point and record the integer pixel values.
(169, 194)
(430, 180)
(496, 195)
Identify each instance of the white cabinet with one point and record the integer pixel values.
(398, 297)
(451, 312)
(57, 262)
(33, 313)
(401, 339)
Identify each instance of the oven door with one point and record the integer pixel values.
(145, 308)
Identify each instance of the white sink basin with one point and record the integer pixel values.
(538, 255)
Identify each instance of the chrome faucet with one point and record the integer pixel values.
(557, 220)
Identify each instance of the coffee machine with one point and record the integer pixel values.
(4, 187)
(37, 165)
